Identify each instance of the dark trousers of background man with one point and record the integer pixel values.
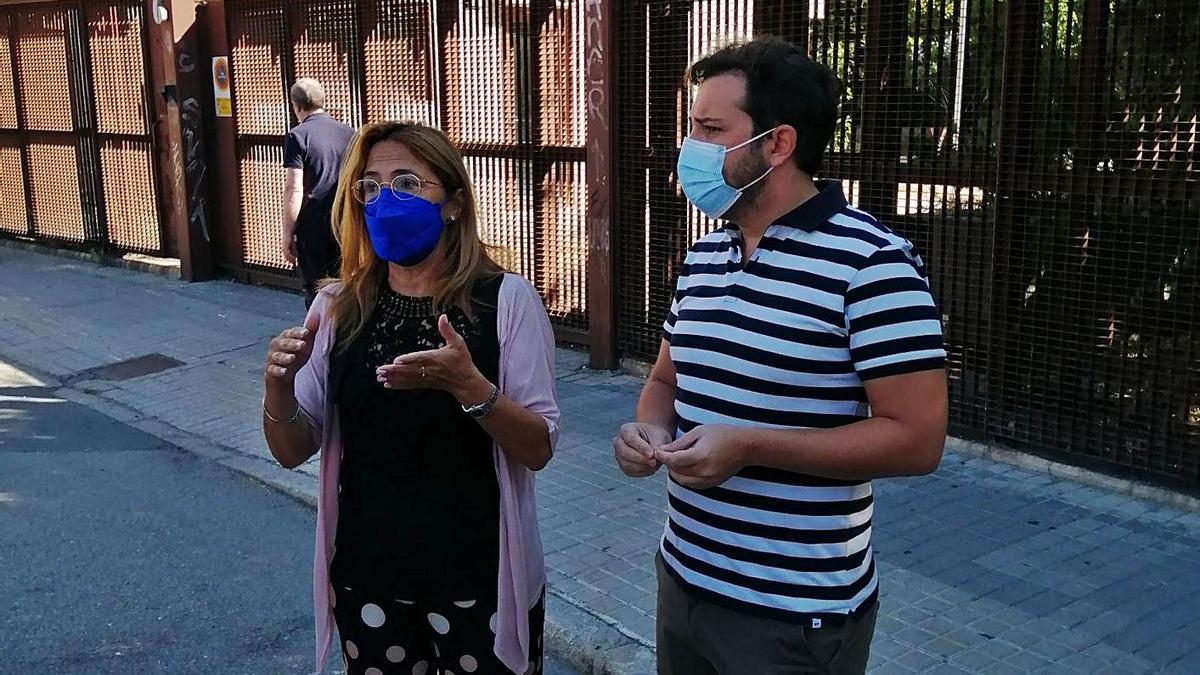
(317, 254)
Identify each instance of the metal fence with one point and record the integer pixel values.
(77, 162)
(1041, 153)
(502, 78)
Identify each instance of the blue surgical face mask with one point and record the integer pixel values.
(403, 231)
(701, 171)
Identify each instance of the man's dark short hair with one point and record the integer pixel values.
(783, 86)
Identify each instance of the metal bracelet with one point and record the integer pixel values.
(291, 420)
(484, 409)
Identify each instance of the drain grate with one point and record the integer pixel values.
(138, 366)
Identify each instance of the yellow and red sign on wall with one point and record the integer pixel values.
(221, 94)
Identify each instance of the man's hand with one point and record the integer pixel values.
(289, 249)
(705, 456)
(293, 201)
(635, 447)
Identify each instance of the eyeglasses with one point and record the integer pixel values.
(404, 186)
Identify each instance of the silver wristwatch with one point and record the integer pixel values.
(484, 409)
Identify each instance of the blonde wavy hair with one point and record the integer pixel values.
(466, 259)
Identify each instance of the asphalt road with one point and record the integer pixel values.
(122, 554)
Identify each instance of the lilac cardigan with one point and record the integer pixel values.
(527, 378)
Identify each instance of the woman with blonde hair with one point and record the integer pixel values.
(425, 377)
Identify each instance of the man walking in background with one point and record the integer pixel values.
(802, 357)
(312, 157)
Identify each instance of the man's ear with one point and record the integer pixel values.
(781, 145)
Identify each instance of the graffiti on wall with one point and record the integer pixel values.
(195, 167)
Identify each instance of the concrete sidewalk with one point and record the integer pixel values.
(985, 567)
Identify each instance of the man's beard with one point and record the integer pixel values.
(744, 173)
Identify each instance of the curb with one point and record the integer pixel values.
(1125, 486)
(590, 642)
(133, 262)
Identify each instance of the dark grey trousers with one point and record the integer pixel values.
(699, 637)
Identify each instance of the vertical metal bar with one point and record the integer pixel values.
(91, 174)
(885, 44)
(995, 77)
(668, 226)
(600, 87)
(767, 17)
(1130, 69)
(358, 64)
(1118, 375)
(958, 49)
(956, 232)
(1089, 103)
(14, 34)
(931, 42)
(447, 17)
(852, 24)
(1014, 152)
(1050, 146)
(293, 24)
(432, 64)
(914, 76)
(168, 193)
(628, 232)
(158, 49)
(528, 72)
(992, 210)
(224, 158)
(943, 129)
(787, 19)
(192, 75)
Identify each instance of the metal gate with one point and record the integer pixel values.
(77, 160)
(1042, 155)
(503, 78)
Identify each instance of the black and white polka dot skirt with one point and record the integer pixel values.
(394, 636)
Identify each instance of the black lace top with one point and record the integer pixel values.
(418, 499)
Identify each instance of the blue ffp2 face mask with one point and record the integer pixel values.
(403, 231)
(701, 171)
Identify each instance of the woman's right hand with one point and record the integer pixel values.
(291, 444)
(289, 352)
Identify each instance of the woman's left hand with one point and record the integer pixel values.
(449, 369)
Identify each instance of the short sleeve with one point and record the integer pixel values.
(892, 320)
(527, 352)
(293, 153)
(668, 330)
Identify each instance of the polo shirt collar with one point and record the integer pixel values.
(815, 212)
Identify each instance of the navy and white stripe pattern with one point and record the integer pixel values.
(830, 299)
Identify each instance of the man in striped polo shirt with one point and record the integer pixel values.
(802, 357)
